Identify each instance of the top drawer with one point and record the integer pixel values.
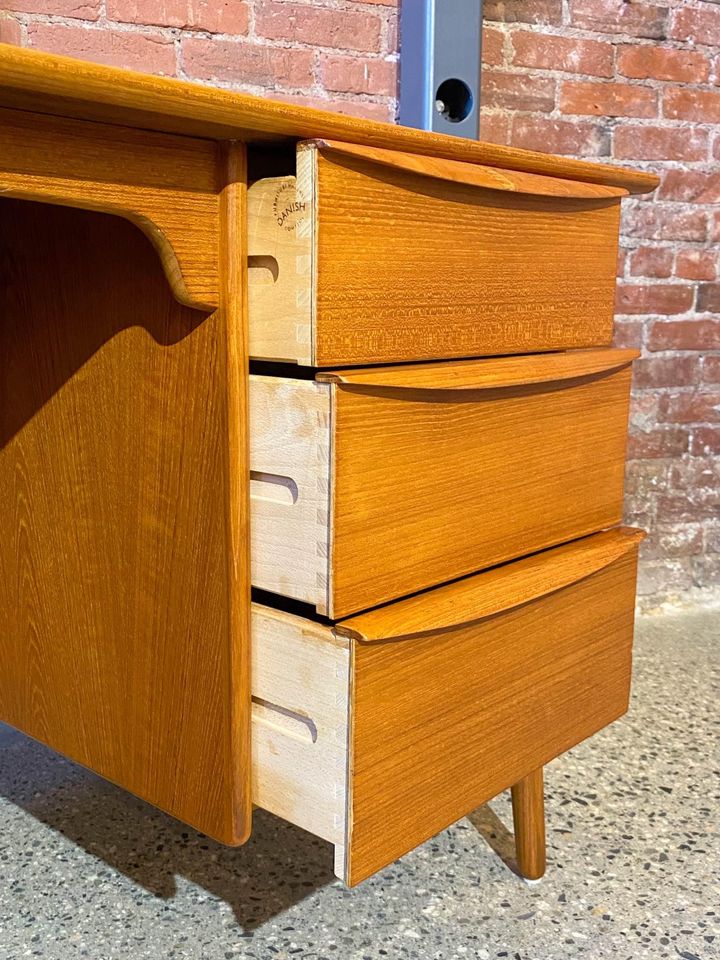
(372, 256)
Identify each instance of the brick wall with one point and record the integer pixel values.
(639, 83)
(631, 81)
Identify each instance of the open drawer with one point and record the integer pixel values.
(372, 256)
(368, 485)
(380, 731)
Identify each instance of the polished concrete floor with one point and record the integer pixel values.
(88, 871)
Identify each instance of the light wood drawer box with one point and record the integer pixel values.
(379, 732)
(374, 256)
(368, 485)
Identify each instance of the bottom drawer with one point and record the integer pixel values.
(378, 732)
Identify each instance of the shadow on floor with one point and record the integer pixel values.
(278, 867)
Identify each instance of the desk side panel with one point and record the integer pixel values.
(118, 635)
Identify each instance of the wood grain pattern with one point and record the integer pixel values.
(46, 83)
(408, 267)
(528, 806)
(123, 573)
(496, 374)
(445, 721)
(496, 591)
(433, 485)
(471, 174)
(166, 185)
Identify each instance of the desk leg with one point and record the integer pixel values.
(529, 820)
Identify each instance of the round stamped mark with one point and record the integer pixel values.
(287, 208)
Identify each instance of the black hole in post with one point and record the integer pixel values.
(454, 100)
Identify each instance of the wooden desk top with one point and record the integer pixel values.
(45, 83)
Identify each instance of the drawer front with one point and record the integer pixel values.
(370, 257)
(444, 721)
(381, 731)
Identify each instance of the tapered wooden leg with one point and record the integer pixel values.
(529, 820)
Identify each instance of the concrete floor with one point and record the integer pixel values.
(88, 871)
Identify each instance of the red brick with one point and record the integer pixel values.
(359, 75)
(685, 335)
(708, 300)
(690, 186)
(318, 26)
(549, 52)
(366, 109)
(633, 142)
(214, 16)
(697, 24)
(494, 126)
(673, 541)
(714, 231)
(691, 505)
(250, 63)
(665, 298)
(681, 371)
(584, 97)
(667, 578)
(628, 333)
(692, 407)
(649, 61)
(514, 91)
(493, 43)
(523, 11)
(700, 106)
(619, 16)
(659, 443)
(585, 139)
(651, 262)
(73, 9)
(706, 570)
(699, 474)
(696, 265)
(10, 31)
(711, 369)
(665, 221)
(150, 53)
(704, 441)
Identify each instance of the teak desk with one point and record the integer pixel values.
(373, 273)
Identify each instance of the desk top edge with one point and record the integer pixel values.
(62, 86)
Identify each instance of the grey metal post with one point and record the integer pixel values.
(440, 62)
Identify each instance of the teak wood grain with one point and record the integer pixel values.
(446, 720)
(166, 185)
(46, 83)
(430, 485)
(124, 594)
(472, 174)
(528, 806)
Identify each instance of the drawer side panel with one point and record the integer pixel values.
(300, 722)
(289, 487)
(443, 723)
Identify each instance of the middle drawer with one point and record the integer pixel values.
(371, 484)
